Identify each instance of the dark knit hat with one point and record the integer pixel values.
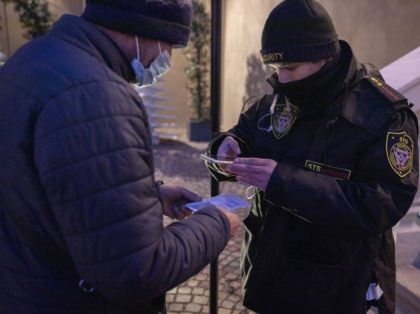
(166, 20)
(298, 31)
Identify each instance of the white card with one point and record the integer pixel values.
(227, 201)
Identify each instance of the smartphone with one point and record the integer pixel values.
(221, 160)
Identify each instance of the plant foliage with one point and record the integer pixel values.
(34, 15)
(198, 68)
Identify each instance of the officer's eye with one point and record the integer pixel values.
(289, 67)
(284, 66)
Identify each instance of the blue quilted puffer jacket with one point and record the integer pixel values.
(78, 200)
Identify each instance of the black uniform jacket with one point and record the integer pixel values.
(347, 172)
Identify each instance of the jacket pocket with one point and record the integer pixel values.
(305, 285)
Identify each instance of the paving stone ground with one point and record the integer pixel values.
(179, 163)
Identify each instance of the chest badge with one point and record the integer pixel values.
(400, 152)
(283, 118)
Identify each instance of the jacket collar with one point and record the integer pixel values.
(86, 36)
(355, 70)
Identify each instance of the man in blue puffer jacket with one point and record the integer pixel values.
(80, 212)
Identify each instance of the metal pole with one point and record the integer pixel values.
(216, 36)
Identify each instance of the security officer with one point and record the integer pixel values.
(333, 160)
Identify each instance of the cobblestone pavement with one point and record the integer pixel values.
(179, 163)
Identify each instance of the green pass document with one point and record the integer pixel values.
(227, 201)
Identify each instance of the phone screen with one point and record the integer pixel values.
(217, 159)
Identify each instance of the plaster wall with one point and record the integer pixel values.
(176, 94)
(380, 31)
(59, 7)
(11, 38)
(11, 33)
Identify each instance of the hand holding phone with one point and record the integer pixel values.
(230, 148)
(220, 160)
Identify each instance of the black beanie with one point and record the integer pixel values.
(298, 31)
(166, 20)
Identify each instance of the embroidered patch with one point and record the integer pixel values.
(283, 118)
(272, 57)
(336, 172)
(400, 152)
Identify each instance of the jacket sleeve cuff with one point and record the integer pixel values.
(217, 214)
(275, 191)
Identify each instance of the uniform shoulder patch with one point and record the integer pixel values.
(400, 152)
(282, 118)
(390, 93)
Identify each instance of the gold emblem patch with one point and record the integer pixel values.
(399, 151)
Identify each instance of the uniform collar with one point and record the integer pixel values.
(86, 36)
(355, 70)
(350, 73)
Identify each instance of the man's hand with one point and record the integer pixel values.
(253, 171)
(228, 148)
(234, 221)
(174, 198)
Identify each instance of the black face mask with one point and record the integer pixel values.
(314, 88)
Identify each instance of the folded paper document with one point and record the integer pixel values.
(227, 201)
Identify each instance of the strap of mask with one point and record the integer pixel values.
(137, 46)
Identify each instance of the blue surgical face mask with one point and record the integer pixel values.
(162, 64)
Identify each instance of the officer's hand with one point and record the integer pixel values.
(228, 148)
(174, 198)
(253, 171)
